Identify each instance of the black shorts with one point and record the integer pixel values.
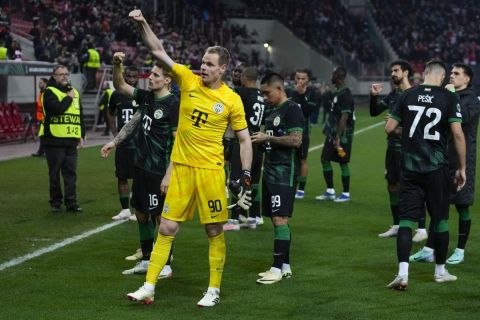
(236, 164)
(393, 166)
(330, 153)
(277, 200)
(146, 195)
(419, 189)
(303, 150)
(228, 144)
(124, 163)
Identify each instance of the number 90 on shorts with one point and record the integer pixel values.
(196, 188)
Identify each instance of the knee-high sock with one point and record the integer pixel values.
(441, 238)
(235, 212)
(394, 198)
(147, 234)
(124, 201)
(169, 260)
(431, 238)
(302, 181)
(404, 240)
(287, 254)
(281, 245)
(421, 221)
(159, 257)
(328, 173)
(345, 177)
(464, 224)
(216, 259)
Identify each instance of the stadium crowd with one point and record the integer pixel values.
(62, 29)
(440, 29)
(61, 32)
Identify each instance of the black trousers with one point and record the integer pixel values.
(62, 159)
(41, 146)
(91, 74)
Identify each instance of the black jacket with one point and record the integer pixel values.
(470, 108)
(54, 107)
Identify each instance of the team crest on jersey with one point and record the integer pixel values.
(165, 208)
(276, 121)
(218, 108)
(158, 114)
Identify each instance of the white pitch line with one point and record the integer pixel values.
(355, 133)
(87, 234)
(58, 245)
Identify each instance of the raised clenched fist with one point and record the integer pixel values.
(136, 15)
(118, 57)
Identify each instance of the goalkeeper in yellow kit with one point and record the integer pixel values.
(207, 106)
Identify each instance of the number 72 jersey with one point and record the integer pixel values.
(425, 113)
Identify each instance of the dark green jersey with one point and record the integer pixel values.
(159, 119)
(124, 107)
(387, 103)
(341, 101)
(425, 113)
(308, 103)
(280, 165)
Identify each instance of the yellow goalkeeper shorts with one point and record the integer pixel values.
(199, 188)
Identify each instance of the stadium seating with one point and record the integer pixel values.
(12, 125)
(326, 24)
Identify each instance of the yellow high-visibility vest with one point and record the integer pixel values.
(68, 124)
(109, 93)
(93, 59)
(3, 53)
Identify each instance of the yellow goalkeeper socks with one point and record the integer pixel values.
(216, 259)
(159, 257)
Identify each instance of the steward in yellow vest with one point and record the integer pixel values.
(3, 53)
(62, 111)
(91, 63)
(93, 59)
(63, 131)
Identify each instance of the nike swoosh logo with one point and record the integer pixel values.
(275, 210)
(191, 95)
(151, 208)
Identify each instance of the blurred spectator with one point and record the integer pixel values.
(39, 116)
(16, 51)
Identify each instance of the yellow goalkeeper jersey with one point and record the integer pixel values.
(203, 117)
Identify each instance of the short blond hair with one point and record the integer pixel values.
(223, 54)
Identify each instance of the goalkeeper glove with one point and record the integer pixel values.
(241, 188)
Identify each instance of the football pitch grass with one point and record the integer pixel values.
(340, 265)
